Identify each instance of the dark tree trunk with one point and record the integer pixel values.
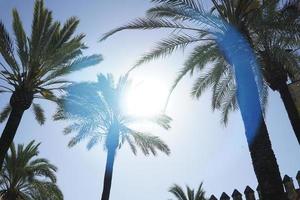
(265, 165)
(10, 195)
(238, 53)
(108, 174)
(9, 132)
(291, 109)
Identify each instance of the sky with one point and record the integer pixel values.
(201, 148)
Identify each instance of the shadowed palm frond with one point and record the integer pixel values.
(149, 24)
(167, 47)
(5, 113)
(178, 192)
(190, 194)
(39, 113)
(149, 143)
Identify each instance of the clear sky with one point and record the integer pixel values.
(202, 149)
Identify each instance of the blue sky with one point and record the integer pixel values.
(202, 149)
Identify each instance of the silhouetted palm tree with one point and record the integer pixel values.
(35, 66)
(25, 177)
(213, 60)
(190, 194)
(276, 34)
(96, 110)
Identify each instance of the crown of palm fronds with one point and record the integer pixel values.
(190, 194)
(96, 108)
(26, 177)
(193, 26)
(37, 64)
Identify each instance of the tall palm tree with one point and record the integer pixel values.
(26, 177)
(219, 45)
(96, 112)
(190, 194)
(276, 36)
(34, 67)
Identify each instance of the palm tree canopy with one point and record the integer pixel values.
(95, 110)
(192, 25)
(190, 194)
(26, 177)
(35, 66)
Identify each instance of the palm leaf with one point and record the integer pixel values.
(5, 113)
(39, 113)
(149, 143)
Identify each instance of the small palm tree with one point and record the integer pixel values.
(190, 194)
(26, 177)
(220, 61)
(35, 66)
(97, 115)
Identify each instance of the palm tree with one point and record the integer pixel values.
(277, 39)
(25, 177)
(219, 45)
(96, 112)
(35, 66)
(179, 193)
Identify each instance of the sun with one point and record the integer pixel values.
(146, 98)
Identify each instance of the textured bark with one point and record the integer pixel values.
(265, 165)
(108, 174)
(9, 132)
(291, 109)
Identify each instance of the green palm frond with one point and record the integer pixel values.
(7, 51)
(39, 113)
(5, 113)
(229, 104)
(149, 143)
(21, 38)
(168, 46)
(208, 79)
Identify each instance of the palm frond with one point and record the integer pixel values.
(7, 50)
(207, 79)
(192, 4)
(21, 38)
(167, 47)
(149, 24)
(5, 113)
(39, 113)
(149, 143)
(178, 192)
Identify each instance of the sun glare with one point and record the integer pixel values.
(146, 98)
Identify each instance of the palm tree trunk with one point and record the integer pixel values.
(291, 109)
(9, 132)
(248, 82)
(108, 173)
(265, 165)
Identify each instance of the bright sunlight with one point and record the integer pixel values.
(146, 97)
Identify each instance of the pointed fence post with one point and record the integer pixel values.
(224, 196)
(298, 178)
(236, 195)
(289, 187)
(212, 197)
(249, 193)
(258, 192)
